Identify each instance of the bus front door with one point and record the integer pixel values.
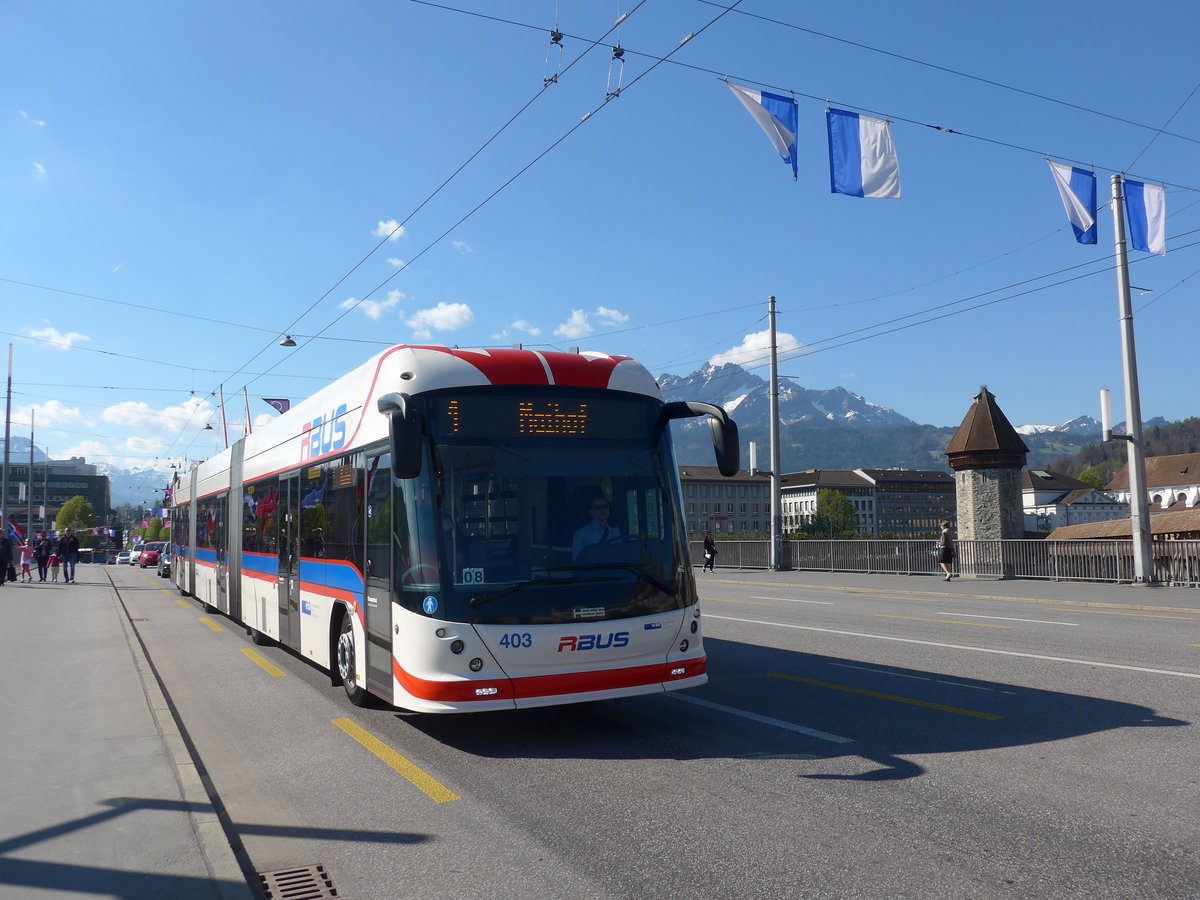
(378, 575)
(289, 563)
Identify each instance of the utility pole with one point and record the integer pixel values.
(7, 434)
(776, 510)
(1139, 513)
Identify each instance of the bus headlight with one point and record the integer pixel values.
(475, 665)
(695, 626)
(456, 646)
(683, 645)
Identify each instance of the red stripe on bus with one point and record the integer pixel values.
(547, 685)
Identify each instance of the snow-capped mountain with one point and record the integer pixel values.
(746, 397)
(1078, 425)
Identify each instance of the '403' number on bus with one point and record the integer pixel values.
(517, 639)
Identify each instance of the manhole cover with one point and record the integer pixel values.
(306, 883)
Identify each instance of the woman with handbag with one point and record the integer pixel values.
(946, 551)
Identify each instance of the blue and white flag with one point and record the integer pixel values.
(862, 158)
(1146, 209)
(1077, 187)
(776, 115)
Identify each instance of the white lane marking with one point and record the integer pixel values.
(900, 640)
(1009, 619)
(792, 600)
(765, 720)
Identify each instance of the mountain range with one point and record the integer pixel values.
(838, 429)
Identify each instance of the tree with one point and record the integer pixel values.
(835, 517)
(76, 514)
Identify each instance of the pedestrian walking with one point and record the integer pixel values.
(945, 551)
(710, 553)
(54, 567)
(41, 555)
(68, 551)
(26, 560)
(6, 558)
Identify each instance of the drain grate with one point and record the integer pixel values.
(306, 883)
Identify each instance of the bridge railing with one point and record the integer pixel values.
(1174, 562)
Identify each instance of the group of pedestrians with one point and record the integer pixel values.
(49, 556)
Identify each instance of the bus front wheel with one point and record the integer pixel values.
(347, 665)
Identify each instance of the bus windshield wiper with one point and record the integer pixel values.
(483, 599)
(638, 571)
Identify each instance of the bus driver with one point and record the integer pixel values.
(597, 531)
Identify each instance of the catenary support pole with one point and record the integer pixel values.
(1143, 560)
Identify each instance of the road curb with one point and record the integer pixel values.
(957, 595)
(229, 879)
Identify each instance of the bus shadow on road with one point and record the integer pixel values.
(767, 703)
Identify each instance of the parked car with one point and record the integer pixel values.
(164, 561)
(135, 554)
(123, 558)
(149, 554)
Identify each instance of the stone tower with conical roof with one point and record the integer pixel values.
(987, 456)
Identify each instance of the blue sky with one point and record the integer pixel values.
(186, 183)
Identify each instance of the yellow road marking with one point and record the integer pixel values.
(943, 621)
(433, 788)
(211, 624)
(1194, 645)
(1100, 612)
(892, 697)
(263, 663)
(183, 603)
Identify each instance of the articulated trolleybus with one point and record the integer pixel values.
(459, 530)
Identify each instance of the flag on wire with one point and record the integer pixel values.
(1077, 187)
(280, 405)
(14, 530)
(862, 158)
(776, 115)
(1146, 209)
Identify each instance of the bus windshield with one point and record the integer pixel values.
(547, 509)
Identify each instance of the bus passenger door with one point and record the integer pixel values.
(289, 563)
(377, 604)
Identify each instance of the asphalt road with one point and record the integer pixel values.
(869, 744)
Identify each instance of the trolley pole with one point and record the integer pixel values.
(1143, 560)
(776, 510)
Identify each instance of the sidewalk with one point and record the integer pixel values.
(100, 795)
(1068, 593)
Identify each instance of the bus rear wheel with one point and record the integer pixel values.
(347, 665)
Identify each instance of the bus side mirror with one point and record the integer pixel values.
(404, 432)
(724, 431)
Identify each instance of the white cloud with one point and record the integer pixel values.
(37, 122)
(443, 317)
(89, 450)
(51, 414)
(56, 338)
(39, 171)
(191, 416)
(391, 229)
(610, 317)
(462, 246)
(396, 263)
(522, 325)
(374, 309)
(577, 326)
(755, 349)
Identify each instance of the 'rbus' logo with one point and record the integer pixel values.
(324, 434)
(593, 641)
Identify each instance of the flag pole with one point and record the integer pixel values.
(776, 513)
(224, 427)
(1139, 513)
(29, 506)
(246, 397)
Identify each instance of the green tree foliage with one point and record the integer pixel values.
(76, 513)
(835, 516)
